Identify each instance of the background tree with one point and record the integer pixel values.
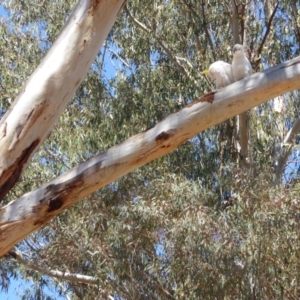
(166, 230)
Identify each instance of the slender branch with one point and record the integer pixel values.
(243, 136)
(57, 156)
(135, 21)
(120, 58)
(243, 32)
(206, 31)
(197, 39)
(265, 37)
(185, 60)
(235, 23)
(18, 256)
(103, 57)
(64, 291)
(286, 149)
(169, 53)
(296, 26)
(174, 59)
(198, 43)
(76, 290)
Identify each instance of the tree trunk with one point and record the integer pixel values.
(26, 214)
(47, 92)
(242, 119)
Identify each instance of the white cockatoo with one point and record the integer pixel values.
(241, 66)
(221, 73)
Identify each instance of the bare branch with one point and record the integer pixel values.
(135, 21)
(17, 255)
(120, 58)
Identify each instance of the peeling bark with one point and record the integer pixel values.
(26, 214)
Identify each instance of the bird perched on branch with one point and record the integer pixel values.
(221, 73)
(241, 66)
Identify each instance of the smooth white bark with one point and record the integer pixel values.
(47, 92)
(24, 215)
(18, 256)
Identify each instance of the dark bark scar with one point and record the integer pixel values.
(54, 204)
(205, 98)
(165, 135)
(11, 175)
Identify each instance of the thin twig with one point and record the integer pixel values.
(207, 33)
(120, 58)
(135, 21)
(265, 37)
(182, 69)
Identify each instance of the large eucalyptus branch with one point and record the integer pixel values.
(23, 216)
(49, 89)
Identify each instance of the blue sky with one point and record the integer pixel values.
(3, 12)
(12, 291)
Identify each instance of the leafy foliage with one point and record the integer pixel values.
(163, 231)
